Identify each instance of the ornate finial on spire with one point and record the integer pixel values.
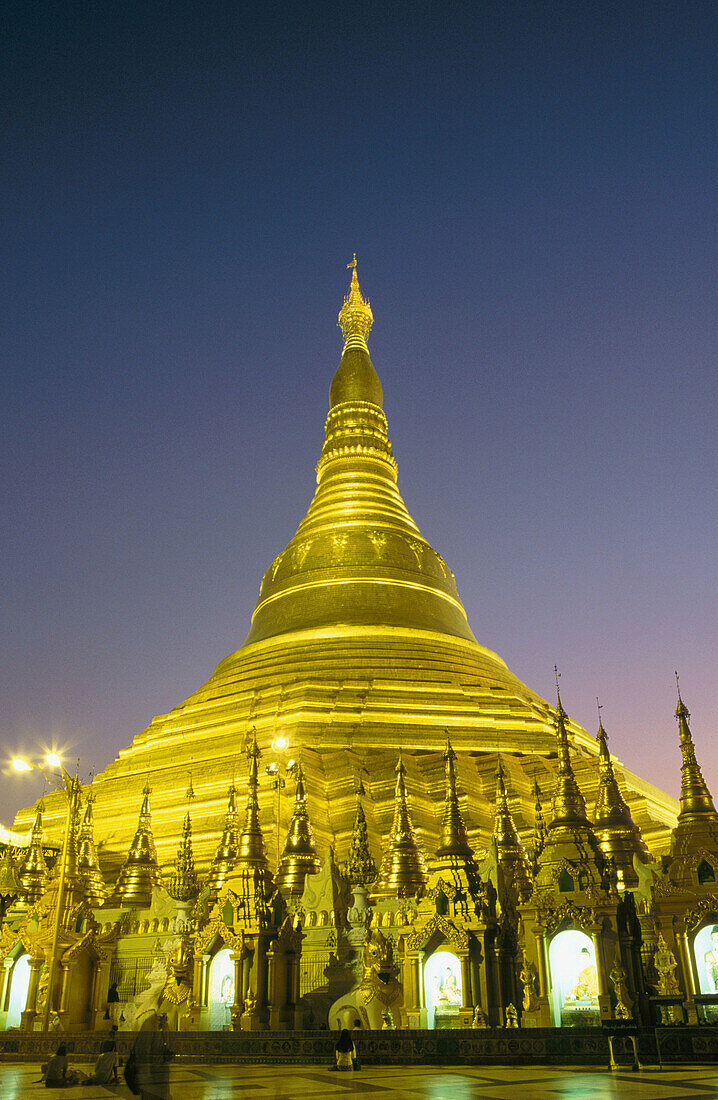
(454, 841)
(88, 865)
(569, 805)
(512, 854)
(403, 870)
(361, 867)
(228, 848)
(559, 706)
(539, 822)
(299, 858)
(355, 317)
(252, 854)
(140, 872)
(695, 797)
(32, 872)
(617, 833)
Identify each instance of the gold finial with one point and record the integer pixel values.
(190, 790)
(617, 833)
(355, 317)
(140, 872)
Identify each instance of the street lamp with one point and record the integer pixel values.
(274, 770)
(72, 787)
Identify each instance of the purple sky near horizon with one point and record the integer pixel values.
(531, 193)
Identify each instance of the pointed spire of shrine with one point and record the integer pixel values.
(539, 821)
(299, 858)
(251, 854)
(140, 872)
(569, 806)
(228, 848)
(454, 841)
(361, 867)
(617, 833)
(403, 870)
(512, 854)
(183, 884)
(88, 865)
(33, 869)
(696, 800)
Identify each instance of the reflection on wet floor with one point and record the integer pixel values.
(20, 1081)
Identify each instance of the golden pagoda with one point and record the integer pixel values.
(359, 645)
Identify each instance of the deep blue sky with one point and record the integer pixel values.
(531, 192)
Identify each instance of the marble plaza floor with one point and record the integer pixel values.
(18, 1081)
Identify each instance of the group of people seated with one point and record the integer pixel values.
(58, 1075)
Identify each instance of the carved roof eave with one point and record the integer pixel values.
(217, 929)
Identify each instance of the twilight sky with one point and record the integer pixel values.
(531, 190)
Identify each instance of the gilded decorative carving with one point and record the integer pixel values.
(551, 918)
(216, 927)
(421, 934)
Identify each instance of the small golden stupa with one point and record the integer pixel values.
(359, 653)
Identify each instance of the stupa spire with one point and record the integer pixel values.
(184, 885)
(361, 867)
(251, 853)
(299, 858)
(454, 841)
(140, 872)
(88, 865)
(355, 317)
(539, 821)
(228, 848)
(569, 806)
(512, 854)
(32, 875)
(696, 800)
(617, 833)
(403, 870)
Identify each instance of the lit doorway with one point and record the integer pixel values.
(221, 991)
(442, 989)
(19, 984)
(574, 979)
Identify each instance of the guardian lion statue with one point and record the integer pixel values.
(378, 992)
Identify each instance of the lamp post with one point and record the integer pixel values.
(280, 745)
(72, 788)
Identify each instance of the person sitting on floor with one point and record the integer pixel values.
(345, 1051)
(57, 1075)
(105, 1066)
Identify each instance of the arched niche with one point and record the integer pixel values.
(221, 990)
(19, 984)
(443, 993)
(574, 979)
(705, 952)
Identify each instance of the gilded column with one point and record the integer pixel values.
(30, 1012)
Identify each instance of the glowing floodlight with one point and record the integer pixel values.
(280, 744)
(53, 760)
(21, 765)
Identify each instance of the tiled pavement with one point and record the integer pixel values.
(18, 1081)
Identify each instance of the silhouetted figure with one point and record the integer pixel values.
(345, 1051)
(113, 1005)
(147, 1070)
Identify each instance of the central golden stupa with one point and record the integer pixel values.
(359, 646)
